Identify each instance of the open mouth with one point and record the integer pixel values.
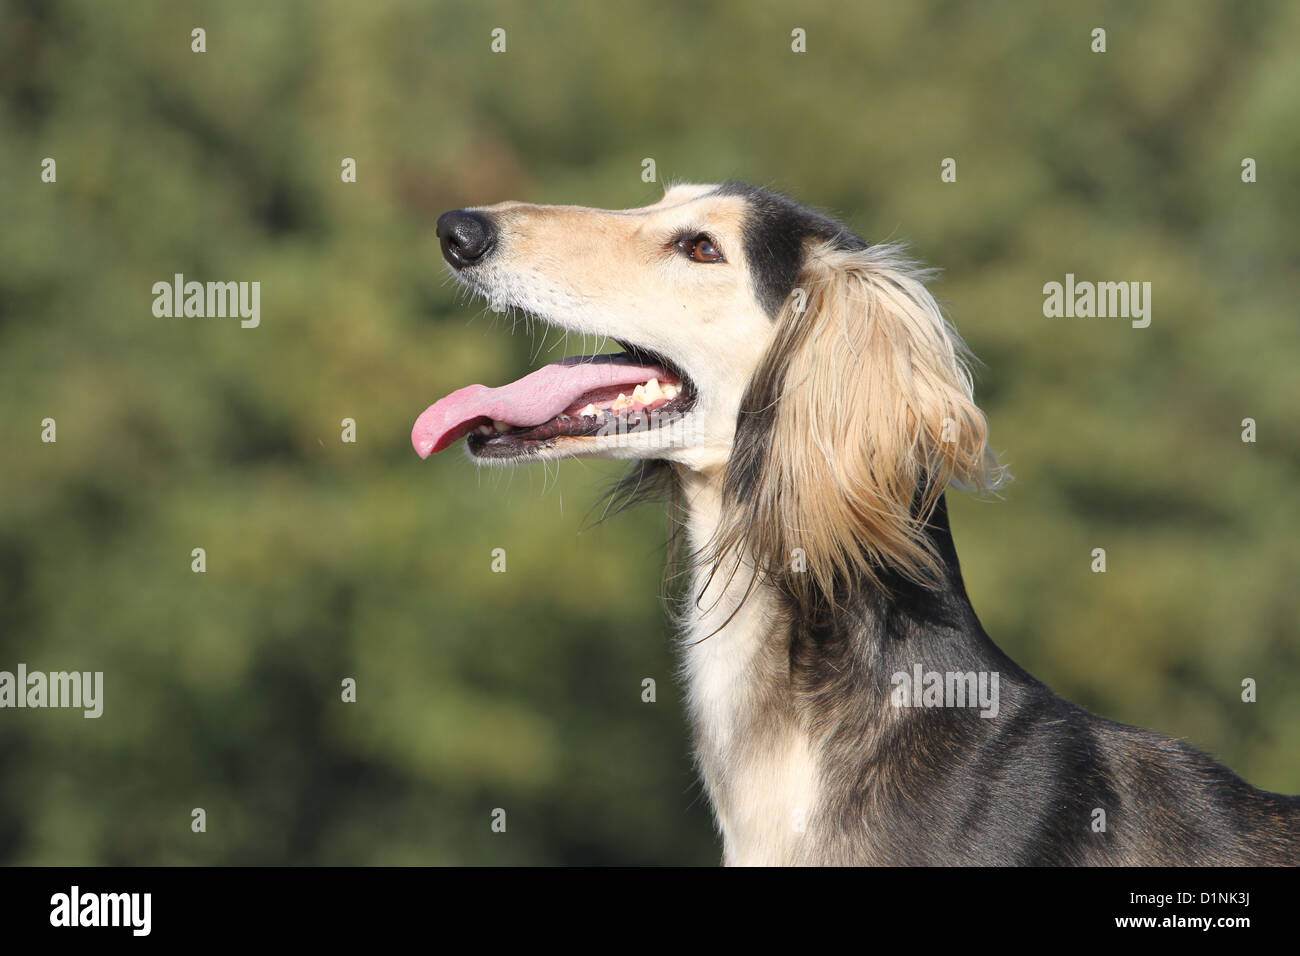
(583, 396)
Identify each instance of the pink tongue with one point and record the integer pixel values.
(536, 398)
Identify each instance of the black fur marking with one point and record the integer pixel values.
(777, 231)
(946, 786)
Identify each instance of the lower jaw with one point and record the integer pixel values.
(608, 431)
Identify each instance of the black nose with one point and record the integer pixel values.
(466, 237)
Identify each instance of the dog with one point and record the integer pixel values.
(806, 403)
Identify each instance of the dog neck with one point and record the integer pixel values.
(776, 694)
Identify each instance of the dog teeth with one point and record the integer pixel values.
(501, 426)
(485, 430)
(649, 393)
(646, 394)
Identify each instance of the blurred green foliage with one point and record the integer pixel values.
(522, 691)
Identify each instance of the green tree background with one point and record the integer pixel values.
(522, 691)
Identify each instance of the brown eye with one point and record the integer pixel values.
(700, 249)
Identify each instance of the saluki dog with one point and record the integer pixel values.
(802, 397)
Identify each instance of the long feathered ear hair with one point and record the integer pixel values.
(857, 419)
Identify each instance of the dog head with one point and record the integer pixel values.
(764, 345)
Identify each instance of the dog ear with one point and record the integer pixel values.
(857, 419)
